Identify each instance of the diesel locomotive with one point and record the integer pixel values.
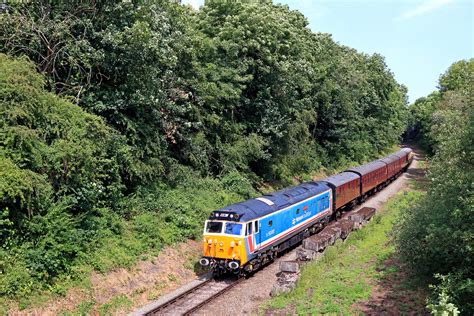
(242, 237)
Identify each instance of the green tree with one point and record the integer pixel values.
(121, 60)
(58, 165)
(437, 236)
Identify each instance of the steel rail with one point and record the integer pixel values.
(204, 302)
(187, 296)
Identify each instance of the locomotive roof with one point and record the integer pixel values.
(368, 167)
(341, 178)
(269, 203)
(406, 149)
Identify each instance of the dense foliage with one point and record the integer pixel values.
(232, 86)
(437, 235)
(146, 114)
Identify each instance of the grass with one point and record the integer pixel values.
(115, 304)
(348, 270)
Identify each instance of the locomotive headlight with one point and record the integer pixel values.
(232, 244)
(240, 242)
(209, 241)
(221, 244)
(204, 262)
(233, 265)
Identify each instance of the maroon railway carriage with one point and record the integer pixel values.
(372, 175)
(394, 165)
(409, 156)
(345, 188)
(405, 155)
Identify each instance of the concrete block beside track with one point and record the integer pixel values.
(285, 283)
(315, 244)
(367, 213)
(305, 254)
(308, 255)
(346, 227)
(362, 216)
(333, 231)
(290, 266)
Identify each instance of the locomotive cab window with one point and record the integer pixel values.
(233, 228)
(256, 227)
(297, 211)
(214, 227)
(249, 229)
(270, 223)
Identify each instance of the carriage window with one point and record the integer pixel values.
(249, 229)
(214, 227)
(233, 228)
(256, 226)
(270, 223)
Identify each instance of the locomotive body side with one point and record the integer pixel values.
(281, 225)
(240, 234)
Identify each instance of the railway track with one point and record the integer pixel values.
(195, 298)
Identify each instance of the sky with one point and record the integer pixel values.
(419, 39)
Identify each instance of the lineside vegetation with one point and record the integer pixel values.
(123, 123)
(436, 235)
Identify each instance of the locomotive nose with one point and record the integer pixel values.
(204, 261)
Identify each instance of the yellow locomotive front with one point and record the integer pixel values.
(223, 244)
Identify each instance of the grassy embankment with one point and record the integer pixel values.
(343, 281)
